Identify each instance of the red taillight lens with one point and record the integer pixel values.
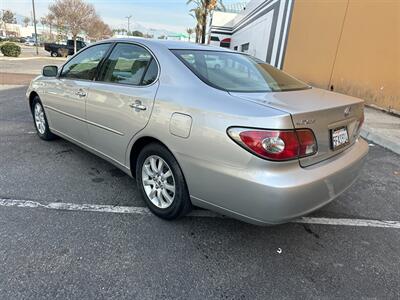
(276, 144)
(307, 142)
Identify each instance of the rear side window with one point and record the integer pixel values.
(235, 72)
(129, 64)
(84, 65)
(151, 74)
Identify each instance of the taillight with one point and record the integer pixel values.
(275, 144)
(307, 142)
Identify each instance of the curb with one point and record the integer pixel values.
(5, 87)
(29, 58)
(368, 134)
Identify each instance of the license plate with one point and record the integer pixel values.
(339, 137)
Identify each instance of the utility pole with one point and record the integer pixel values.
(129, 18)
(34, 25)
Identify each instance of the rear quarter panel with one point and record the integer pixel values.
(212, 111)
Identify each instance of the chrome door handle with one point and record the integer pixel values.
(81, 93)
(137, 105)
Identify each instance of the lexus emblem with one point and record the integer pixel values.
(347, 111)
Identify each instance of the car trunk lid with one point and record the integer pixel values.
(319, 110)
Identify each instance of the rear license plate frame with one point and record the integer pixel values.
(341, 145)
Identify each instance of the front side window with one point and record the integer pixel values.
(84, 65)
(237, 72)
(127, 64)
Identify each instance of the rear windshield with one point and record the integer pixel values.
(235, 72)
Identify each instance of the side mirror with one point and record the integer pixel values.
(50, 71)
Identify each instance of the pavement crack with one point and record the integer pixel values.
(310, 231)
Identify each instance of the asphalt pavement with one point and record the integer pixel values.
(50, 254)
(28, 65)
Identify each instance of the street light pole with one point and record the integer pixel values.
(34, 25)
(129, 18)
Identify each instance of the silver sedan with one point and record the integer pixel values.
(204, 126)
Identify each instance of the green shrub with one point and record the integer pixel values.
(10, 49)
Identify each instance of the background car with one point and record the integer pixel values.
(63, 49)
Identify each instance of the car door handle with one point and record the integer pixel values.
(137, 105)
(81, 93)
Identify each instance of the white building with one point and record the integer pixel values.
(259, 28)
(18, 30)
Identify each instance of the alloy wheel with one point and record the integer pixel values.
(158, 181)
(39, 118)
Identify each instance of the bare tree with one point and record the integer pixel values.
(75, 14)
(8, 17)
(98, 29)
(50, 19)
(26, 21)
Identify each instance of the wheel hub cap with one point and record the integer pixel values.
(158, 181)
(39, 118)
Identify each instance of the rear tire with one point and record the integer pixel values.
(161, 182)
(53, 54)
(40, 121)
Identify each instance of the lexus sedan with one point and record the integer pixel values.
(204, 126)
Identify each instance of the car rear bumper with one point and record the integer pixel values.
(264, 197)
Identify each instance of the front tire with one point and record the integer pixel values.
(40, 121)
(161, 182)
(54, 54)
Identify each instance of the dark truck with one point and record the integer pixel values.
(63, 49)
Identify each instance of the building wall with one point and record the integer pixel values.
(258, 44)
(350, 46)
(263, 25)
(21, 31)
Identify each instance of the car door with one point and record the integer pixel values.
(121, 99)
(66, 96)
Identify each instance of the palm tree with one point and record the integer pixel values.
(189, 32)
(50, 18)
(198, 15)
(204, 8)
(43, 21)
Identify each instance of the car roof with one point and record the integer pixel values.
(168, 44)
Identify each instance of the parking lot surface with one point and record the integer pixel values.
(52, 254)
(23, 69)
(28, 65)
